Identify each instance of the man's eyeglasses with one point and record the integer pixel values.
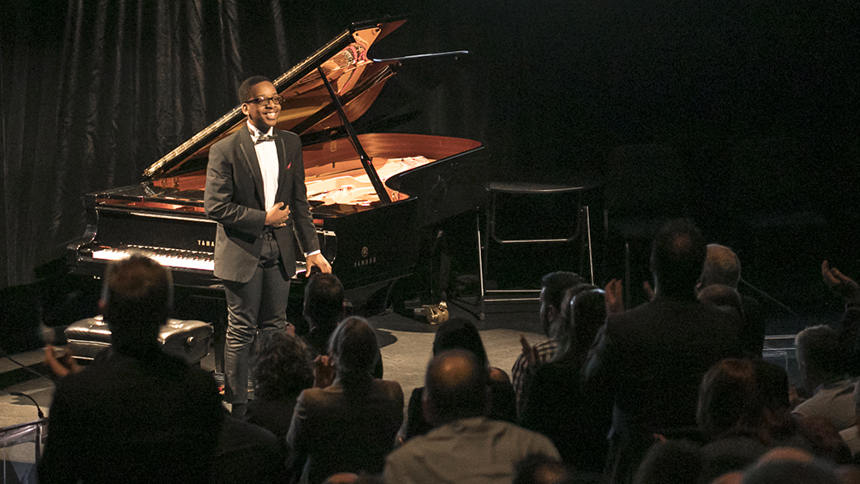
(263, 101)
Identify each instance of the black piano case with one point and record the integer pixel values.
(187, 339)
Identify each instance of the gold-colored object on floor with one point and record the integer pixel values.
(432, 313)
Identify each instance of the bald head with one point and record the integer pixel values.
(455, 387)
(790, 466)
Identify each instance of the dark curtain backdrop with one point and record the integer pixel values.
(94, 91)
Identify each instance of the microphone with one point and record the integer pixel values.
(38, 408)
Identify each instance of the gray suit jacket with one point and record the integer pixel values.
(234, 198)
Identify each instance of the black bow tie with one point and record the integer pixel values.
(265, 137)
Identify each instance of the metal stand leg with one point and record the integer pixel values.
(480, 268)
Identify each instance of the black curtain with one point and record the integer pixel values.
(94, 91)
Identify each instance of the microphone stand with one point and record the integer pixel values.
(769, 298)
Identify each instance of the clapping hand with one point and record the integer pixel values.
(529, 351)
(840, 283)
(323, 371)
(61, 365)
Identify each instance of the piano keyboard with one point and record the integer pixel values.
(182, 259)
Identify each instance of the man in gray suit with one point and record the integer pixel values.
(255, 190)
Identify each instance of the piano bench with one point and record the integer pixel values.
(187, 339)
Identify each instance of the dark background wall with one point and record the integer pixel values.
(740, 114)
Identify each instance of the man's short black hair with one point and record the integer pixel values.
(323, 300)
(678, 256)
(244, 90)
(555, 284)
(460, 333)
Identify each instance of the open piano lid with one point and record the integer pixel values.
(307, 107)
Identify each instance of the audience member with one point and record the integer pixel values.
(465, 447)
(553, 287)
(341, 478)
(823, 440)
(553, 401)
(849, 335)
(540, 469)
(849, 474)
(248, 454)
(723, 267)
(670, 462)
(724, 297)
(282, 370)
(732, 417)
(773, 383)
(324, 308)
(137, 415)
(785, 430)
(350, 478)
(790, 467)
(736, 477)
(822, 375)
(351, 425)
(460, 333)
(652, 358)
(851, 435)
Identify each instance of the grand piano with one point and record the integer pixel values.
(372, 194)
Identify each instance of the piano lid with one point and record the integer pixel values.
(307, 107)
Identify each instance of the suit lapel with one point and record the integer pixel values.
(250, 155)
(282, 168)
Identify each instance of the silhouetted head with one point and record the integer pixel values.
(725, 297)
(323, 300)
(730, 399)
(136, 299)
(553, 287)
(773, 384)
(722, 266)
(583, 314)
(283, 368)
(790, 466)
(354, 348)
(819, 357)
(670, 462)
(460, 333)
(541, 469)
(677, 258)
(456, 387)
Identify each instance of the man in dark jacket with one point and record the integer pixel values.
(652, 358)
